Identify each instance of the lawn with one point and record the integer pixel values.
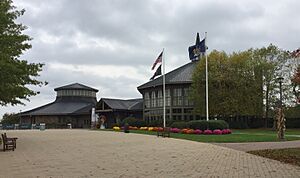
(266, 131)
(287, 155)
(248, 135)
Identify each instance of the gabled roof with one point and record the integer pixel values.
(75, 86)
(180, 75)
(64, 106)
(120, 104)
(60, 108)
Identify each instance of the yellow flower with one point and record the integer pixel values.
(116, 128)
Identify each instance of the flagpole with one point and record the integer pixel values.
(164, 88)
(206, 76)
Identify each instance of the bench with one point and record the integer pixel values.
(165, 132)
(9, 143)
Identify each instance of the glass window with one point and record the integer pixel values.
(177, 97)
(160, 99)
(176, 111)
(186, 100)
(153, 99)
(168, 97)
(147, 100)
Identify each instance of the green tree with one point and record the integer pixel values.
(15, 74)
(233, 89)
(11, 118)
(268, 63)
(243, 83)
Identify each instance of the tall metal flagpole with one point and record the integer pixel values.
(164, 87)
(206, 76)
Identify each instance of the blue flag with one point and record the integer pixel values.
(198, 49)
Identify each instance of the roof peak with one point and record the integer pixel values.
(182, 74)
(75, 86)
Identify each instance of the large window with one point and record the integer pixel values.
(177, 97)
(147, 100)
(153, 99)
(159, 99)
(186, 99)
(168, 97)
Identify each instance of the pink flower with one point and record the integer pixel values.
(226, 131)
(217, 132)
(175, 130)
(207, 132)
(197, 131)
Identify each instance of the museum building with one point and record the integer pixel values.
(73, 105)
(179, 107)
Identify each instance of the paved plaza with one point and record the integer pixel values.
(251, 146)
(84, 153)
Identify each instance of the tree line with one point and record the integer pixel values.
(246, 83)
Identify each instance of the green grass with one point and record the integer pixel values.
(287, 155)
(266, 131)
(249, 135)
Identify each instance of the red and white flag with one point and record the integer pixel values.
(158, 60)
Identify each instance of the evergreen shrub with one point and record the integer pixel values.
(180, 125)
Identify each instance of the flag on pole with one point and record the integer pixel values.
(197, 49)
(157, 73)
(158, 60)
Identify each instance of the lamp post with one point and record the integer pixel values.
(280, 115)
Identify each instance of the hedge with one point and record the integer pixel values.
(200, 124)
(292, 123)
(217, 124)
(180, 125)
(211, 124)
(134, 122)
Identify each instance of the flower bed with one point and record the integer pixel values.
(183, 131)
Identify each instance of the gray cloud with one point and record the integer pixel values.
(129, 34)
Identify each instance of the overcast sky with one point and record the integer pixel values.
(110, 45)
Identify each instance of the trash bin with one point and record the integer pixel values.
(42, 126)
(126, 128)
(69, 126)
